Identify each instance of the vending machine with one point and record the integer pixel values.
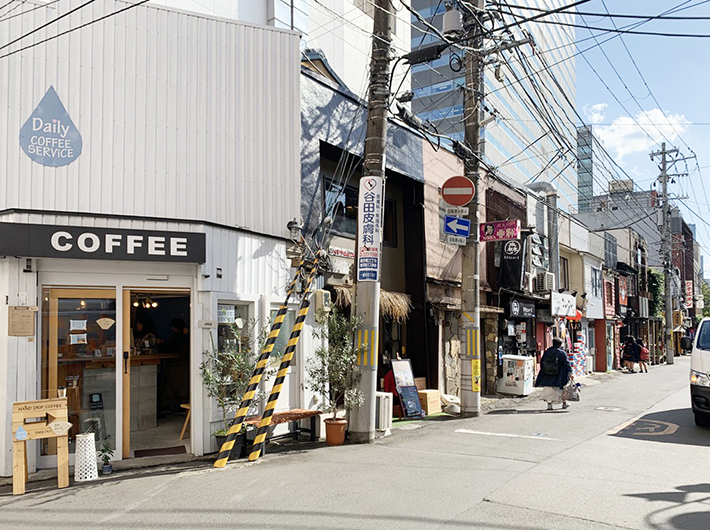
(518, 375)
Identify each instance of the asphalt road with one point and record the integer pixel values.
(628, 456)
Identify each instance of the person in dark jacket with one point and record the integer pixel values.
(631, 354)
(555, 373)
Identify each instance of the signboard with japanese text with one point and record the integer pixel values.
(512, 264)
(688, 294)
(369, 229)
(562, 305)
(520, 309)
(500, 230)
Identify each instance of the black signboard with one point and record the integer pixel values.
(520, 309)
(512, 264)
(408, 394)
(409, 398)
(48, 241)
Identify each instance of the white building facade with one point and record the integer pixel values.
(137, 183)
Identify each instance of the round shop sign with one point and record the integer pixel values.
(49, 136)
(512, 248)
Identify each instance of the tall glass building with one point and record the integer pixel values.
(528, 109)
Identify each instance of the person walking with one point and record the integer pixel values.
(631, 353)
(643, 356)
(555, 373)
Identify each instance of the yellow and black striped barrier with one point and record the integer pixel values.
(261, 432)
(248, 397)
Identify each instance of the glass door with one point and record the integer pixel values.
(79, 358)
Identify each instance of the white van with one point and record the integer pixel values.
(700, 374)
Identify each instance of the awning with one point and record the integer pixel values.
(395, 306)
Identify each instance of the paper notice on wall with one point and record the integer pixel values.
(21, 321)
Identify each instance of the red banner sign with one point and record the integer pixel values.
(500, 230)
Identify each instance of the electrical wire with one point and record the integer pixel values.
(131, 6)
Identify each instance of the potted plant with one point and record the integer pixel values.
(333, 371)
(105, 453)
(226, 369)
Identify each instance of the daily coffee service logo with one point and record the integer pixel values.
(49, 136)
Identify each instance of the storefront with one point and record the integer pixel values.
(138, 206)
(123, 335)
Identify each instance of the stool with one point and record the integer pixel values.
(187, 419)
(85, 467)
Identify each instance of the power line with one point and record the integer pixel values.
(131, 6)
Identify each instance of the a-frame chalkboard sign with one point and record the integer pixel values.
(408, 395)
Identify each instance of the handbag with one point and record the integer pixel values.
(571, 391)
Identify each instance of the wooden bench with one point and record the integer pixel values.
(292, 417)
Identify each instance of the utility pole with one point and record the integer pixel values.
(367, 282)
(666, 250)
(470, 281)
(666, 242)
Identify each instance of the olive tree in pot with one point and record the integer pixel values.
(226, 369)
(333, 372)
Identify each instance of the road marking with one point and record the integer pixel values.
(621, 427)
(608, 409)
(538, 437)
(656, 428)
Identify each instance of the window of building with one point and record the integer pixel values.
(341, 200)
(596, 283)
(564, 273)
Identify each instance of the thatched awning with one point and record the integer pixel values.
(395, 306)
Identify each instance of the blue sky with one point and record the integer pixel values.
(640, 90)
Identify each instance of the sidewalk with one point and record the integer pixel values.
(182, 462)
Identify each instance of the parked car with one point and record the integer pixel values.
(700, 375)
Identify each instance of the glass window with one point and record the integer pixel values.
(342, 201)
(79, 357)
(231, 319)
(564, 273)
(704, 337)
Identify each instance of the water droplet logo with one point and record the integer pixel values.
(20, 434)
(49, 136)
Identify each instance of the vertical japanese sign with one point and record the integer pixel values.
(369, 229)
(688, 294)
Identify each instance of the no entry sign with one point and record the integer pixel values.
(458, 191)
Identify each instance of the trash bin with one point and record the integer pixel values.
(85, 467)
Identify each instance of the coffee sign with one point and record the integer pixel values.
(47, 241)
(49, 136)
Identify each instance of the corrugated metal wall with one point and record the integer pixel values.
(181, 116)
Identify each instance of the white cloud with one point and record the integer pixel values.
(641, 134)
(595, 113)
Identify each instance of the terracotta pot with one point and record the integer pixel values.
(335, 431)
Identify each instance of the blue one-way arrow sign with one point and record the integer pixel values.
(457, 226)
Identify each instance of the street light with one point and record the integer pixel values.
(294, 228)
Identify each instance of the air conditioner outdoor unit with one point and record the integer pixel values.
(544, 281)
(383, 412)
